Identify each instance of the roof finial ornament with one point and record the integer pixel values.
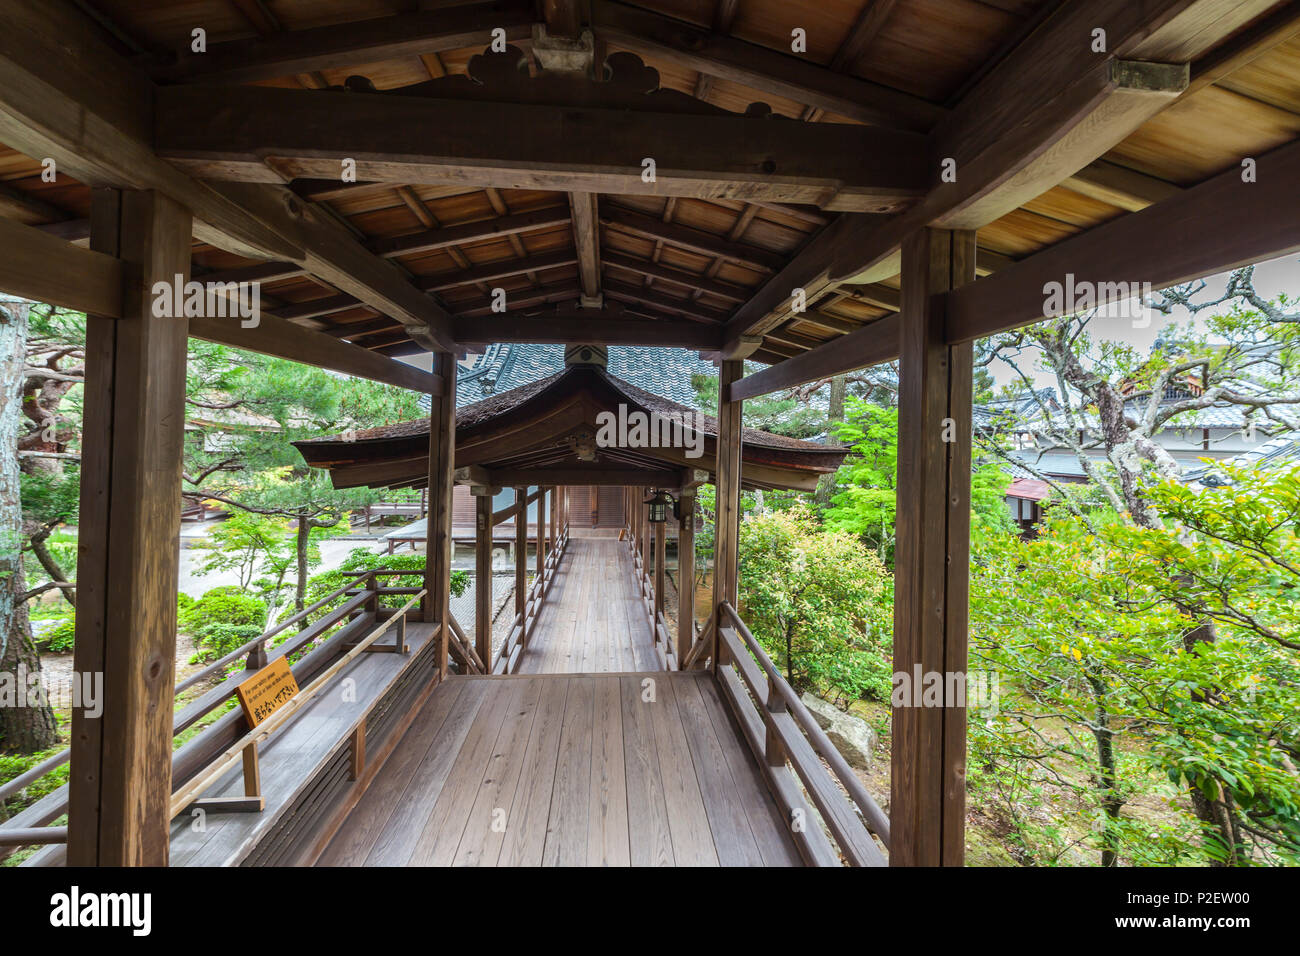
(594, 355)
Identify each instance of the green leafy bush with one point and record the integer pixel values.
(57, 639)
(221, 620)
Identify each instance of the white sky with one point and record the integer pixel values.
(1271, 278)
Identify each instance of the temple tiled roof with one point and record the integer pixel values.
(665, 372)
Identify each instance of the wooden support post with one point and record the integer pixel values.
(483, 573)
(726, 541)
(661, 549)
(541, 538)
(555, 518)
(438, 542)
(119, 784)
(521, 555)
(686, 577)
(932, 556)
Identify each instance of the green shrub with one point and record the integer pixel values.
(221, 620)
(57, 639)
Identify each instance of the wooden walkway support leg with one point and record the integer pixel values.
(932, 557)
(726, 541)
(661, 549)
(686, 577)
(541, 538)
(438, 541)
(521, 555)
(119, 786)
(483, 573)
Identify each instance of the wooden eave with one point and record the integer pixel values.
(527, 431)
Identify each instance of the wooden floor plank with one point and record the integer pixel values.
(607, 815)
(728, 821)
(591, 621)
(437, 842)
(525, 836)
(770, 828)
(480, 844)
(649, 836)
(367, 819)
(687, 819)
(396, 842)
(639, 769)
(566, 831)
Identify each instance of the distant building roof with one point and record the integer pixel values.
(665, 372)
(1277, 451)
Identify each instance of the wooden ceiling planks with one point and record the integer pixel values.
(929, 48)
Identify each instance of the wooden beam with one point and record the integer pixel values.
(583, 326)
(932, 557)
(44, 268)
(587, 241)
(495, 270)
(1120, 186)
(343, 45)
(869, 345)
(229, 133)
(119, 784)
(438, 543)
(693, 240)
(283, 339)
(483, 602)
(760, 68)
(66, 95)
(1222, 224)
(596, 475)
(726, 540)
(444, 236)
(1050, 108)
(688, 280)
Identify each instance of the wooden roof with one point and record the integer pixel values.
(813, 196)
(528, 436)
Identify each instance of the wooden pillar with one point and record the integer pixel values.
(661, 550)
(521, 551)
(686, 577)
(555, 517)
(483, 573)
(726, 540)
(438, 545)
(541, 532)
(932, 556)
(119, 784)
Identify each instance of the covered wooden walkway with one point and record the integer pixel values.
(554, 770)
(593, 621)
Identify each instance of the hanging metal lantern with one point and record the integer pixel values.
(658, 509)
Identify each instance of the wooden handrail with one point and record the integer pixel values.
(795, 729)
(24, 780)
(235, 753)
(244, 648)
(205, 704)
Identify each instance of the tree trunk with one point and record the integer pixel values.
(1215, 814)
(300, 588)
(23, 728)
(1108, 776)
(834, 416)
